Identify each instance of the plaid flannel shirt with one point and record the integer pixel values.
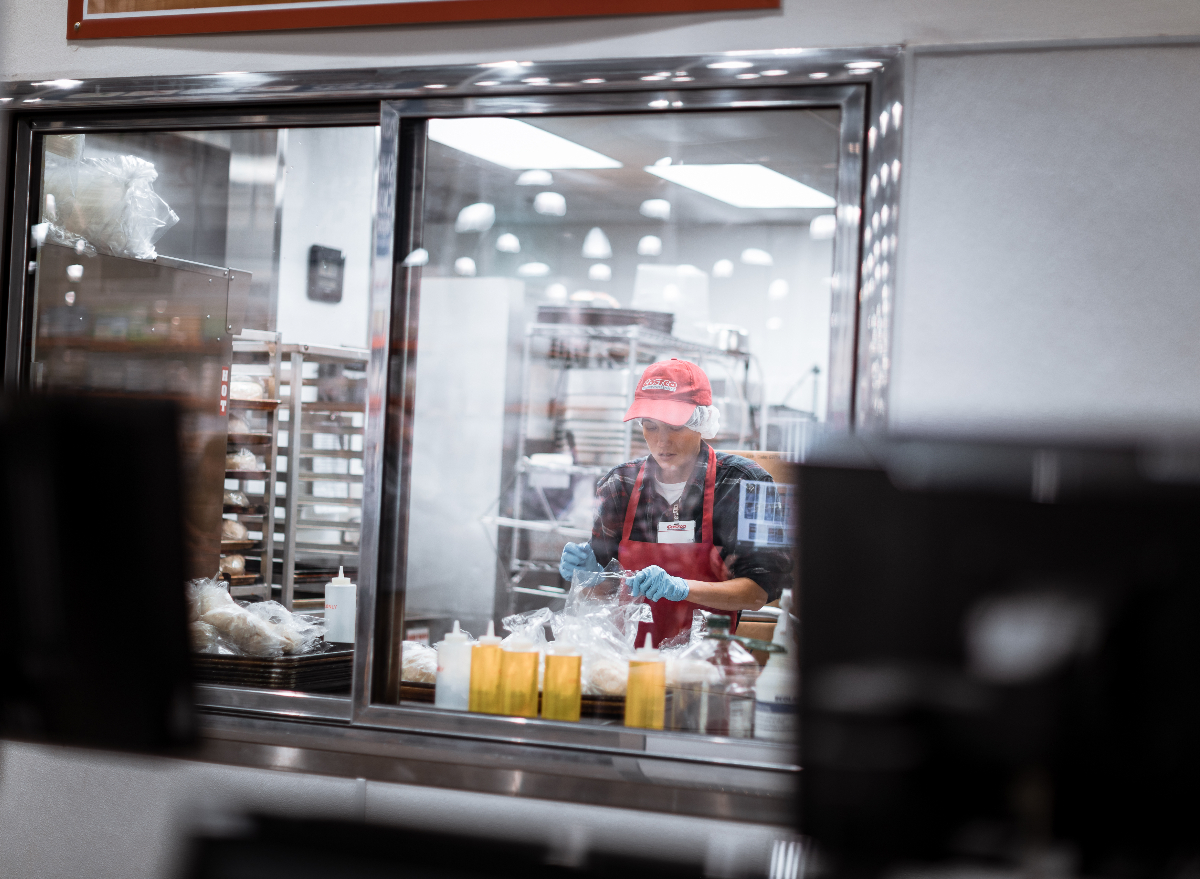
(769, 567)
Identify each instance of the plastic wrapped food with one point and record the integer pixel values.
(233, 564)
(242, 459)
(299, 632)
(237, 424)
(253, 635)
(418, 663)
(236, 498)
(108, 203)
(231, 529)
(218, 624)
(203, 636)
(247, 388)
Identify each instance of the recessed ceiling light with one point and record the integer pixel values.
(744, 186)
(660, 105)
(754, 256)
(649, 245)
(508, 243)
(729, 65)
(550, 204)
(514, 144)
(596, 245)
(535, 178)
(774, 73)
(533, 270)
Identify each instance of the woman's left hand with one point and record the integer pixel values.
(655, 583)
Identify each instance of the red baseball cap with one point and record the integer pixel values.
(670, 391)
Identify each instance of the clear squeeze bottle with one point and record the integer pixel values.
(775, 693)
(453, 671)
(561, 688)
(485, 673)
(645, 696)
(341, 600)
(519, 678)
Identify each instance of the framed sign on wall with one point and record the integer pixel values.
(104, 19)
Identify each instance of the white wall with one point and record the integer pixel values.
(458, 443)
(328, 191)
(33, 41)
(1048, 272)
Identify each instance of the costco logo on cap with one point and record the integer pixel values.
(670, 391)
(659, 384)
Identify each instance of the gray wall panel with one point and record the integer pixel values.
(1049, 259)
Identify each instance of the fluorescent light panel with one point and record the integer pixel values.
(744, 186)
(514, 144)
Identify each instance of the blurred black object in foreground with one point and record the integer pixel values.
(94, 645)
(282, 848)
(1001, 658)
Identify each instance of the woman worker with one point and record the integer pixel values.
(673, 516)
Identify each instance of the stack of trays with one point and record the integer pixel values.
(314, 672)
(593, 408)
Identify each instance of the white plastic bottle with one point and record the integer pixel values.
(341, 603)
(453, 688)
(775, 690)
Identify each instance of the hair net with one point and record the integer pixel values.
(705, 420)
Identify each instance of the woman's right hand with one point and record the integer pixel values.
(576, 556)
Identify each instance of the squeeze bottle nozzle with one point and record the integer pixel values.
(341, 579)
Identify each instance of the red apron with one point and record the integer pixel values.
(691, 561)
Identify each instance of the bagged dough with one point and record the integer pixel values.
(605, 676)
(242, 459)
(237, 424)
(236, 499)
(251, 634)
(233, 564)
(231, 529)
(246, 388)
(203, 636)
(418, 663)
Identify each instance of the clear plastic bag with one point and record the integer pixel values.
(236, 498)
(418, 663)
(231, 529)
(109, 203)
(232, 564)
(242, 459)
(218, 624)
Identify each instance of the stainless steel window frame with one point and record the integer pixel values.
(857, 80)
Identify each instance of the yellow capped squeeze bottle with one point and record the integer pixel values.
(646, 693)
(519, 678)
(485, 673)
(561, 688)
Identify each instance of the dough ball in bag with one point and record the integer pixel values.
(233, 564)
(203, 636)
(231, 529)
(242, 459)
(236, 499)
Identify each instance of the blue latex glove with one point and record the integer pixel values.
(577, 556)
(655, 583)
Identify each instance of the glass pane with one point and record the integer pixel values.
(216, 268)
(567, 260)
